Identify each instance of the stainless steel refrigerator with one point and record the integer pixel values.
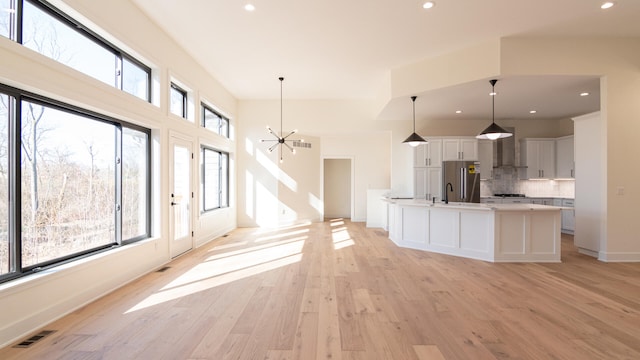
(460, 181)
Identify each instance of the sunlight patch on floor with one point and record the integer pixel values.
(281, 235)
(219, 271)
(341, 238)
(254, 248)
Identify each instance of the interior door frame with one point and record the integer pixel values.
(176, 138)
(353, 183)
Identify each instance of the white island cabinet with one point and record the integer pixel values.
(490, 232)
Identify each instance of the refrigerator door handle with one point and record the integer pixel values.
(463, 183)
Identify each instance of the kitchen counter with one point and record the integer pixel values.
(490, 232)
(475, 206)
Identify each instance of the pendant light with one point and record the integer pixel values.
(279, 139)
(493, 131)
(414, 139)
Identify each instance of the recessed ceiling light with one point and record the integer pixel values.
(458, 111)
(584, 94)
(428, 5)
(249, 7)
(607, 5)
(532, 111)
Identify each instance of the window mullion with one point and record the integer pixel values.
(118, 71)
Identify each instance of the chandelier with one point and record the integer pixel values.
(280, 140)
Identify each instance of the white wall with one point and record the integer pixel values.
(371, 154)
(590, 211)
(337, 129)
(32, 301)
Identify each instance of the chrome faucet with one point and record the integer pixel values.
(446, 192)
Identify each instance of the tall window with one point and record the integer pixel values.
(215, 179)
(81, 184)
(215, 122)
(178, 101)
(52, 33)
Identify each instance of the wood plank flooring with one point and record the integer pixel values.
(337, 290)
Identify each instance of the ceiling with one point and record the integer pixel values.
(340, 49)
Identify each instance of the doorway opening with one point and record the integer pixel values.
(338, 188)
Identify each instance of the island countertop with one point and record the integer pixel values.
(473, 206)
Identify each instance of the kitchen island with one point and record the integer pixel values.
(490, 232)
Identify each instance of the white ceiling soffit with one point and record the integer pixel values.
(337, 49)
(551, 97)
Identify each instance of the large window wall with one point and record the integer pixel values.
(73, 182)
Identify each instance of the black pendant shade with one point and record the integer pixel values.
(414, 139)
(493, 131)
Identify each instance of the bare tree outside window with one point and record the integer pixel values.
(68, 184)
(58, 41)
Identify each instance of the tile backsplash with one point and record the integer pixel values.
(506, 182)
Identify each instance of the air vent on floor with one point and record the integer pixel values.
(35, 338)
(163, 269)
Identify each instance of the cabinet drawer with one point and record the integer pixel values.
(567, 202)
(491, 201)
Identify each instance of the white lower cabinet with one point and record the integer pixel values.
(490, 200)
(500, 234)
(568, 217)
(516, 200)
(543, 201)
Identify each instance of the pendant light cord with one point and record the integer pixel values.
(493, 100)
(413, 98)
(493, 103)
(281, 79)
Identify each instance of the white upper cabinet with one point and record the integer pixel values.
(539, 157)
(485, 156)
(564, 158)
(460, 149)
(429, 154)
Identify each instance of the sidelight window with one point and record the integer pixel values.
(215, 179)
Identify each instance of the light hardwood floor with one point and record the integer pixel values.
(337, 290)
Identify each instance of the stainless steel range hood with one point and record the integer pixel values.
(505, 150)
